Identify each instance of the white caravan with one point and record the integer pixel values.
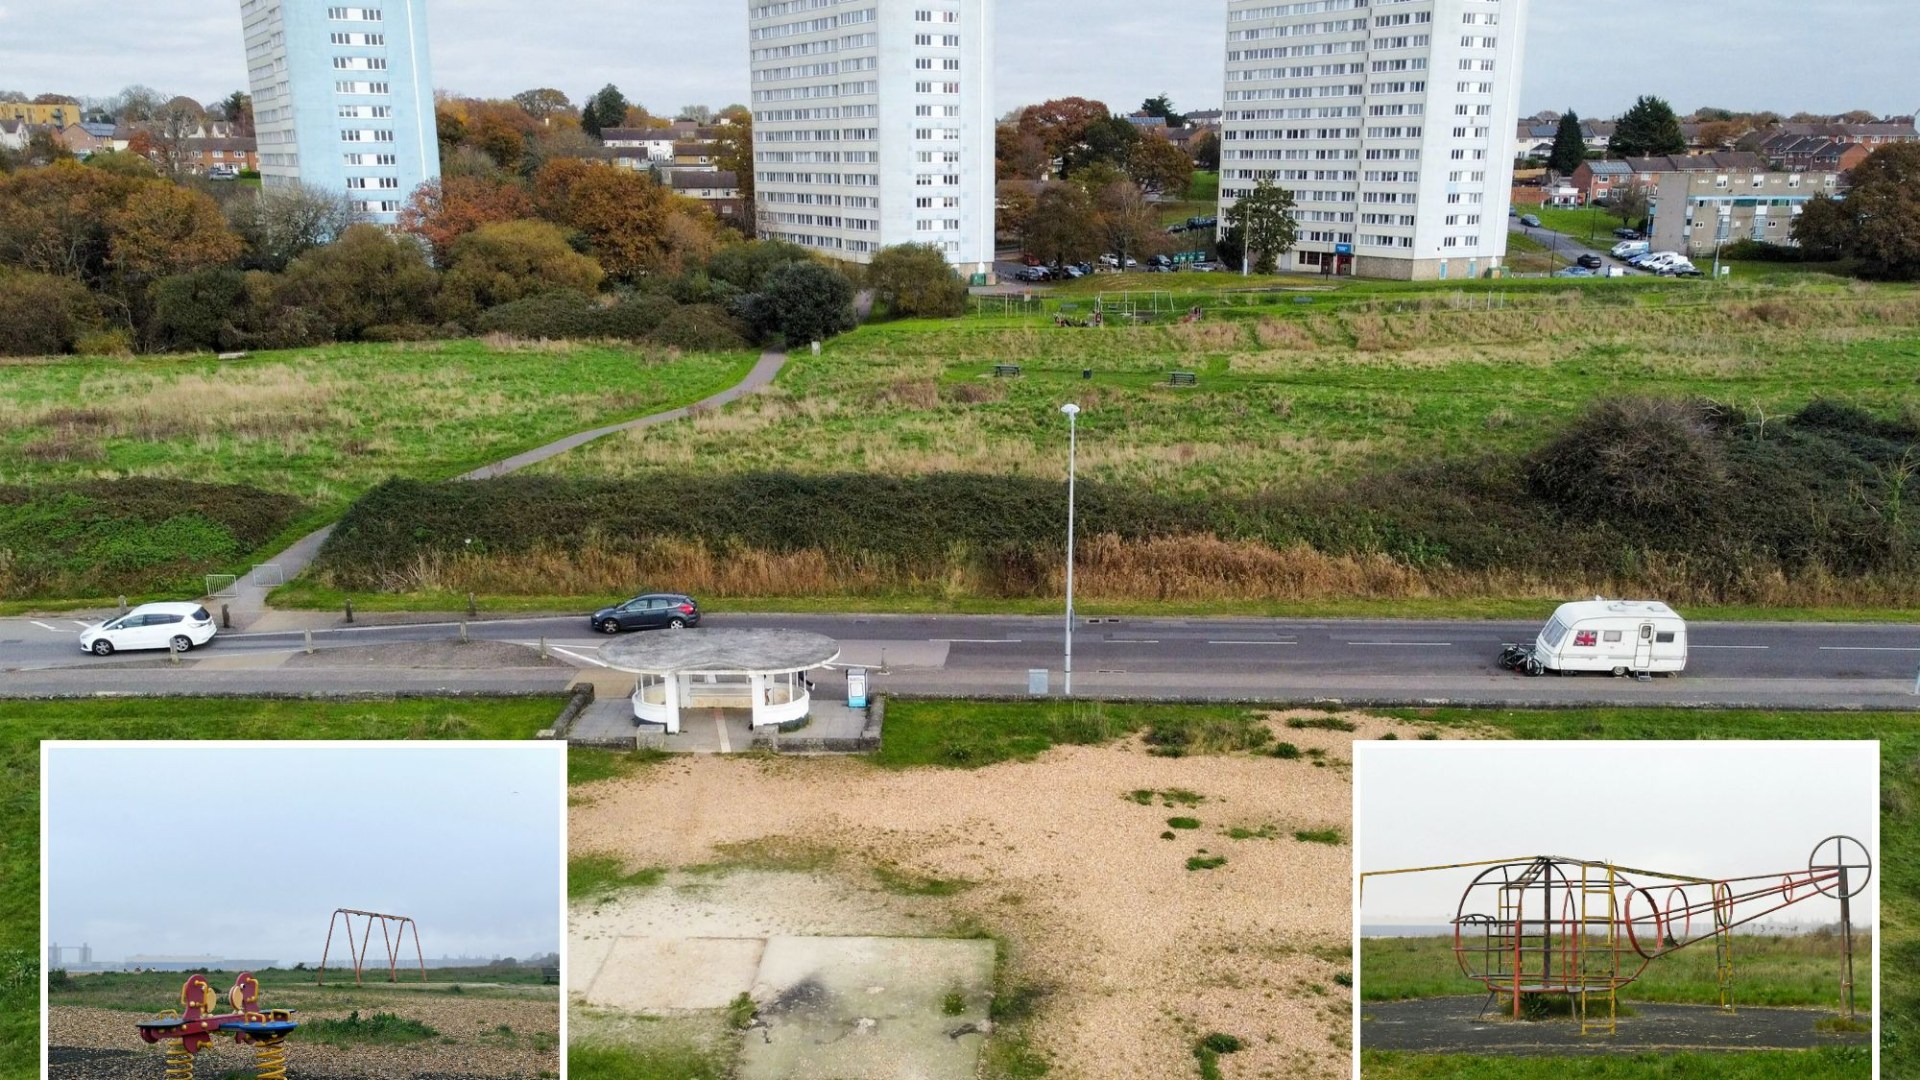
(1617, 636)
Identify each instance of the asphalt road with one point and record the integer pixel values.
(1764, 665)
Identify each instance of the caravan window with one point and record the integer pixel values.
(1555, 633)
(1664, 638)
(1611, 636)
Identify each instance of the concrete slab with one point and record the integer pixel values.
(652, 975)
(585, 956)
(865, 1008)
(243, 662)
(719, 651)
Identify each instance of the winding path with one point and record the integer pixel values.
(251, 600)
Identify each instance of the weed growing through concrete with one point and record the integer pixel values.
(1208, 1049)
(741, 1011)
(1183, 823)
(1318, 836)
(1286, 751)
(1206, 862)
(1321, 723)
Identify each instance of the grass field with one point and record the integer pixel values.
(1770, 970)
(972, 734)
(324, 425)
(1839, 1063)
(25, 723)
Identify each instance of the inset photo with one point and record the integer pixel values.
(323, 911)
(1542, 900)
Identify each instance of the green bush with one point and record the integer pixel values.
(107, 341)
(915, 280)
(699, 328)
(508, 261)
(634, 317)
(199, 310)
(42, 315)
(554, 316)
(801, 302)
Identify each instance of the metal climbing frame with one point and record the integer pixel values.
(1550, 925)
(394, 941)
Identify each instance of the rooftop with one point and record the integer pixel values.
(720, 652)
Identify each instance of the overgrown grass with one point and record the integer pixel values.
(1834, 1063)
(378, 1029)
(586, 765)
(972, 734)
(676, 1061)
(600, 876)
(903, 882)
(24, 723)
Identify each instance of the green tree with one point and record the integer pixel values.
(1126, 221)
(1883, 213)
(606, 109)
(1630, 202)
(1649, 129)
(1569, 146)
(542, 104)
(1264, 216)
(1206, 152)
(369, 277)
(915, 281)
(1107, 142)
(498, 264)
(802, 302)
(745, 266)
(1161, 105)
(197, 311)
(1824, 229)
(42, 315)
(733, 149)
(237, 109)
(1064, 226)
(1160, 167)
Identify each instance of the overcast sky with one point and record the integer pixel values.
(1593, 57)
(1707, 809)
(243, 852)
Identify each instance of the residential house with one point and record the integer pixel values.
(14, 134)
(200, 154)
(1872, 136)
(1596, 180)
(1535, 138)
(84, 139)
(1148, 123)
(1793, 152)
(656, 142)
(1694, 210)
(718, 189)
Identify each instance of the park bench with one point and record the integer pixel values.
(549, 974)
(1183, 378)
(1006, 371)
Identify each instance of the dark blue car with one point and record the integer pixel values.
(650, 611)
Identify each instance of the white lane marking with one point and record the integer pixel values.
(1132, 641)
(78, 623)
(1733, 646)
(1253, 643)
(973, 640)
(577, 656)
(1401, 644)
(720, 725)
(44, 626)
(1865, 648)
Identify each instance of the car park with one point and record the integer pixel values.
(648, 611)
(176, 626)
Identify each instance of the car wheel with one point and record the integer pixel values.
(676, 623)
(1619, 673)
(103, 647)
(181, 643)
(610, 626)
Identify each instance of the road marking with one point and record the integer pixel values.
(1733, 646)
(720, 725)
(78, 623)
(973, 640)
(44, 626)
(1401, 644)
(1132, 641)
(1253, 643)
(577, 656)
(1865, 648)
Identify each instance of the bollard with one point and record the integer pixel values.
(1086, 373)
(123, 605)
(543, 646)
(472, 609)
(463, 631)
(173, 655)
(349, 609)
(226, 618)
(308, 636)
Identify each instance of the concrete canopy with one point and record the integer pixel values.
(720, 652)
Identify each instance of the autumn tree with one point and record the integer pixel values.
(621, 213)
(278, 225)
(1064, 226)
(1020, 155)
(1824, 229)
(1015, 199)
(543, 104)
(1206, 151)
(1160, 167)
(501, 263)
(1061, 124)
(54, 220)
(1879, 221)
(164, 229)
(1719, 134)
(1264, 217)
(733, 150)
(499, 130)
(442, 211)
(699, 114)
(916, 281)
(1126, 220)
(367, 278)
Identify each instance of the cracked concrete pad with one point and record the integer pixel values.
(584, 960)
(665, 974)
(869, 1008)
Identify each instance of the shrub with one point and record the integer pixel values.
(634, 317)
(42, 315)
(699, 328)
(366, 278)
(914, 280)
(554, 316)
(197, 311)
(1646, 459)
(498, 264)
(802, 302)
(110, 341)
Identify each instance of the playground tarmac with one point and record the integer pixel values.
(1453, 1025)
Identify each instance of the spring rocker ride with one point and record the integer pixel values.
(1547, 925)
(192, 1028)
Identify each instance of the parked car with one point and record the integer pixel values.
(1512, 210)
(1627, 249)
(1530, 221)
(1205, 267)
(176, 626)
(650, 611)
(1202, 222)
(223, 172)
(1688, 270)
(1031, 259)
(1591, 262)
(1573, 271)
(1627, 234)
(1069, 273)
(1160, 260)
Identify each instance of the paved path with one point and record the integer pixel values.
(250, 602)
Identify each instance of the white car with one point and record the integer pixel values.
(151, 626)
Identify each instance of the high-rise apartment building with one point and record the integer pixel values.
(1391, 123)
(873, 125)
(343, 98)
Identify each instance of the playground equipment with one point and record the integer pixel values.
(393, 941)
(192, 1029)
(1550, 925)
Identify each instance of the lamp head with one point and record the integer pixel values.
(1070, 409)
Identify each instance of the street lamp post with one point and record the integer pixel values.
(1073, 441)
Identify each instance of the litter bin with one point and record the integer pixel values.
(857, 688)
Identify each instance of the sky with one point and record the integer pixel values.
(1709, 809)
(244, 851)
(1593, 57)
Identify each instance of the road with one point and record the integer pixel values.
(1759, 665)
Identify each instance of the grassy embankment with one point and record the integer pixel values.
(25, 723)
(1331, 393)
(308, 430)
